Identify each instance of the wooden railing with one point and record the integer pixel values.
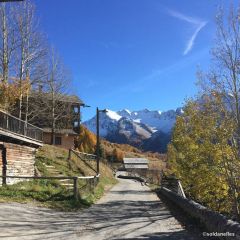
(174, 185)
(17, 126)
(75, 180)
(84, 157)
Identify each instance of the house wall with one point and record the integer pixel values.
(20, 161)
(67, 140)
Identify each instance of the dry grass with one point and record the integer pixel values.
(50, 193)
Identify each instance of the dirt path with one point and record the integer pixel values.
(128, 211)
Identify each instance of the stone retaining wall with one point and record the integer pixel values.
(20, 161)
(214, 222)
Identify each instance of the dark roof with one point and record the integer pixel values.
(60, 97)
(71, 99)
(60, 131)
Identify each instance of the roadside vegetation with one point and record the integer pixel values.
(205, 149)
(51, 193)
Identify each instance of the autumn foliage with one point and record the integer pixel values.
(113, 152)
(86, 141)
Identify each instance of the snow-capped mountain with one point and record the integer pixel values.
(157, 120)
(135, 127)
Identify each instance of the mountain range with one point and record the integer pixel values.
(145, 129)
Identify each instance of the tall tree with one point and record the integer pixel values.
(224, 79)
(205, 149)
(57, 86)
(224, 76)
(30, 52)
(202, 156)
(7, 47)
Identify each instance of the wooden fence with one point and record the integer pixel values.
(75, 180)
(82, 155)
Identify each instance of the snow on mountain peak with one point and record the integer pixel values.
(126, 110)
(135, 127)
(113, 115)
(153, 120)
(124, 113)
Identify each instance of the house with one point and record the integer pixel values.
(19, 142)
(136, 165)
(64, 138)
(67, 110)
(68, 117)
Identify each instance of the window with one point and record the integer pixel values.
(58, 141)
(76, 110)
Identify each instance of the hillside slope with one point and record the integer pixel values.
(115, 152)
(53, 161)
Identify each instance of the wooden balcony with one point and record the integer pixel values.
(17, 129)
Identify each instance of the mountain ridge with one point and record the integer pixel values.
(141, 128)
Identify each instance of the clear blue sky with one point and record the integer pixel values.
(131, 54)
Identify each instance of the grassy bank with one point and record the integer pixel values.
(52, 193)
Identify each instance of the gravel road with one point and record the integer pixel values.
(128, 211)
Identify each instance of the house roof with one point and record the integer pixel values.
(60, 131)
(71, 99)
(135, 160)
(60, 97)
(134, 163)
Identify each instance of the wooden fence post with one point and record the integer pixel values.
(69, 154)
(91, 181)
(75, 181)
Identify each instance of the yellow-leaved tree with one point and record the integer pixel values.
(203, 155)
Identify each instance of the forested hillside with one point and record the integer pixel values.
(113, 152)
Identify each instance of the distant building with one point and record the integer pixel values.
(135, 164)
(68, 105)
(67, 126)
(64, 138)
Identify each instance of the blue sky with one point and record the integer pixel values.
(131, 54)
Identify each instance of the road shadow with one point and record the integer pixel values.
(116, 218)
(181, 235)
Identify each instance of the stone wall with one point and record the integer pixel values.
(214, 222)
(20, 161)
